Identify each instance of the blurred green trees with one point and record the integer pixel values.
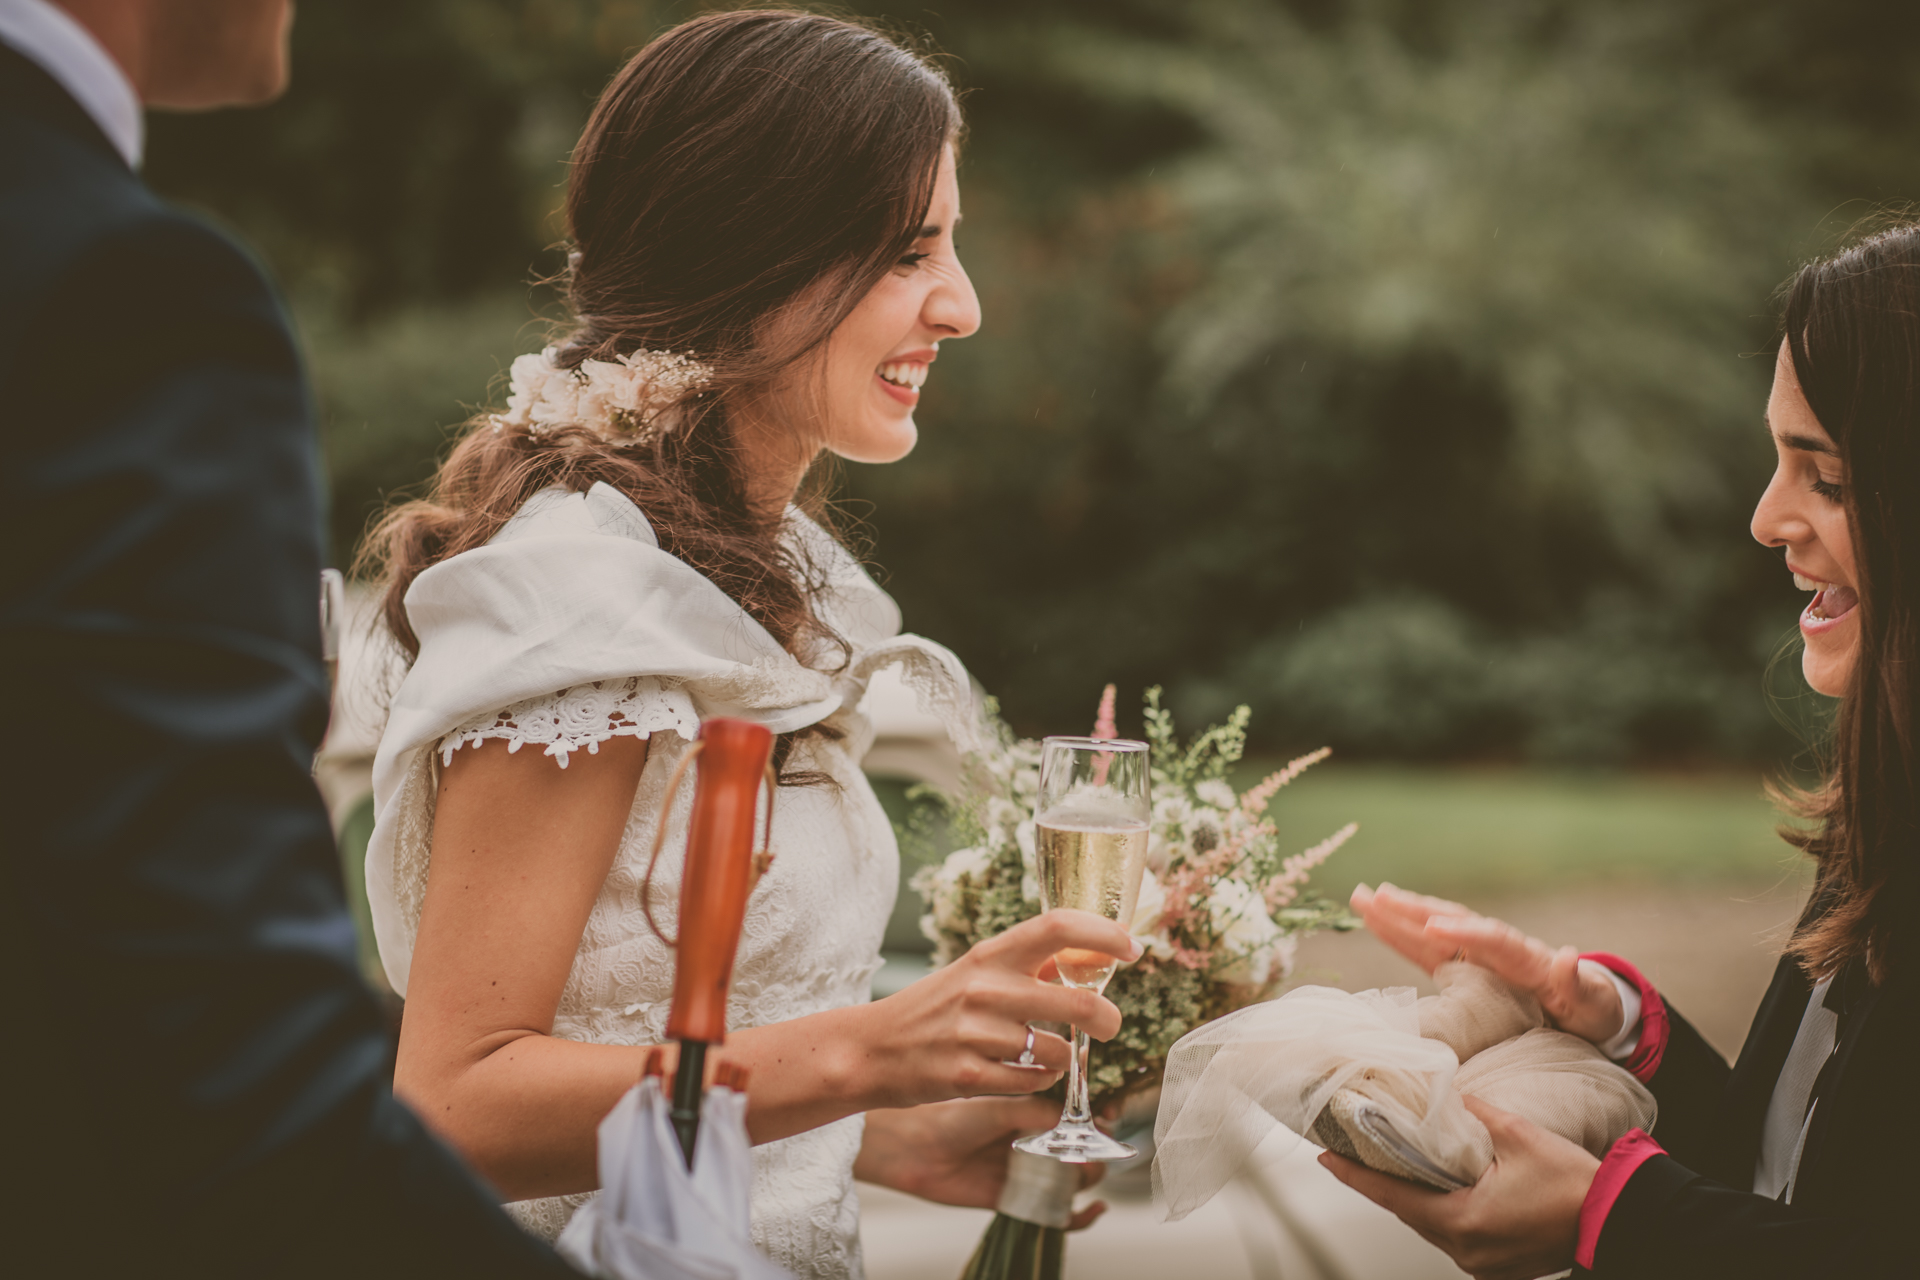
(1394, 366)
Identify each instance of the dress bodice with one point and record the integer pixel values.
(811, 937)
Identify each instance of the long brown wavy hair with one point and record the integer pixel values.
(1853, 329)
(743, 182)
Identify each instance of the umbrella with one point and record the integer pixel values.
(722, 868)
(654, 1217)
(676, 1174)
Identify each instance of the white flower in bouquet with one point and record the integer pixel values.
(973, 861)
(1246, 937)
(1147, 914)
(943, 888)
(1217, 793)
(1172, 812)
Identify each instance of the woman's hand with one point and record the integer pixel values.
(956, 1152)
(1432, 931)
(954, 1033)
(1521, 1220)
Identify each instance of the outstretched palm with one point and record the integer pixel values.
(1432, 931)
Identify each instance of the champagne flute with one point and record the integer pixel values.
(1090, 847)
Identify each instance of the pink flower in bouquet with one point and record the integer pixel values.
(1255, 801)
(1103, 726)
(1284, 887)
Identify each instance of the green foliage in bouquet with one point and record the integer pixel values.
(1221, 907)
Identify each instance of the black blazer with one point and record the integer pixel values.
(197, 1080)
(1857, 1200)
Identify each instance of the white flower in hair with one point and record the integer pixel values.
(633, 399)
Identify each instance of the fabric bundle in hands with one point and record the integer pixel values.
(1378, 1076)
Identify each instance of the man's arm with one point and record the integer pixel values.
(202, 1050)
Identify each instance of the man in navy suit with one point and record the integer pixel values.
(197, 1079)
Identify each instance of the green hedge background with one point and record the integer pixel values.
(1396, 367)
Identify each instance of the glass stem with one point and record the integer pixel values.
(1077, 1110)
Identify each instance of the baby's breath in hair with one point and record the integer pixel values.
(632, 399)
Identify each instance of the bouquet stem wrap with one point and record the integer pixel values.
(1027, 1237)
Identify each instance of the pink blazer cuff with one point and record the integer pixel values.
(1623, 1158)
(1645, 1059)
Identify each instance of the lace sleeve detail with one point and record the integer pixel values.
(584, 716)
(939, 682)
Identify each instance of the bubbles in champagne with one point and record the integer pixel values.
(1090, 861)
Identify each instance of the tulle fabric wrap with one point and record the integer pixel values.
(1317, 1057)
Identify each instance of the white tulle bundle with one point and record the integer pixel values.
(1379, 1076)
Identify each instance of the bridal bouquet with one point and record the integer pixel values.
(1220, 913)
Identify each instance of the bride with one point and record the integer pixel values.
(762, 210)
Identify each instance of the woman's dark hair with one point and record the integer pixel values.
(742, 184)
(1853, 329)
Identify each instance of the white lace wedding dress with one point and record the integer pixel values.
(572, 627)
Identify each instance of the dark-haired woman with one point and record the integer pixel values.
(762, 211)
(1799, 1161)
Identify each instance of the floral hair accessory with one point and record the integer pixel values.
(632, 400)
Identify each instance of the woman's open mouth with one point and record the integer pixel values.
(902, 379)
(1832, 601)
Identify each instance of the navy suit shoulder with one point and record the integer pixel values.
(203, 1083)
(64, 187)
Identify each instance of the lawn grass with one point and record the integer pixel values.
(1474, 832)
(1454, 831)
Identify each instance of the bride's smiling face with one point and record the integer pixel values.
(879, 357)
(1804, 510)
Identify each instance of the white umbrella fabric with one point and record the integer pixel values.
(656, 1220)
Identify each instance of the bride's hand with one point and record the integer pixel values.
(953, 1033)
(956, 1152)
(1432, 931)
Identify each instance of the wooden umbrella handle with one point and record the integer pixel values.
(721, 871)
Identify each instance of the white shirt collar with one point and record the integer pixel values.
(67, 51)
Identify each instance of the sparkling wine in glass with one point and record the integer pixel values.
(1090, 846)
